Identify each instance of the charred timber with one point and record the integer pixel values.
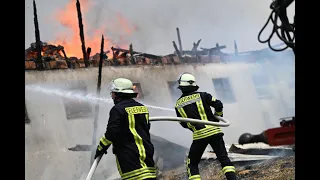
(88, 52)
(96, 115)
(83, 46)
(37, 35)
(193, 53)
(194, 50)
(179, 41)
(196, 45)
(177, 51)
(67, 59)
(213, 49)
(151, 56)
(131, 54)
(115, 53)
(124, 50)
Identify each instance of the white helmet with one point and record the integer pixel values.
(187, 79)
(121, 85)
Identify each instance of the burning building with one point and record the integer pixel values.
(235, 84)
(53, 57)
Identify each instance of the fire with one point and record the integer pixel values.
(48, 52)
(70, 39)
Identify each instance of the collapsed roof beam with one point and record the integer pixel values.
(179, 41)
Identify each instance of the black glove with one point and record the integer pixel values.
(100, 151)
(217, 114)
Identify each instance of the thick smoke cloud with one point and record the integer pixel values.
(155, 21)
(50, 133)
(210, 20)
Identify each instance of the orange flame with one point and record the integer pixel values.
(68, 17)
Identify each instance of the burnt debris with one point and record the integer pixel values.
(83, 46)
(38, 60)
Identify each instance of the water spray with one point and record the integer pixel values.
(94, 99)
(91, 98)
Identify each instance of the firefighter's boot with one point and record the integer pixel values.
(231, 176)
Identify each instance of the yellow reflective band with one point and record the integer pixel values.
(202, 133)
(207, 134)
(136, 110)
(228, 169)
(138, 140)
(182, 112)
(195, 177)
(105, 141)
(191, 127)
(187, 98)
(143, 176)
(219, 113)
(147, 117)
(118, 165)
(213, 99)
(188, 169)
(99, 147)
(200, 110)
(208, 130)
(205, 130)
(203, 114)
(138, 172)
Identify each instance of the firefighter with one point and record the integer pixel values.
(196, 105)
(128, 131)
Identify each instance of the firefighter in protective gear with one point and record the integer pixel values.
(196, 105)
(128, 131)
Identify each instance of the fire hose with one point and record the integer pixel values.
(225, 123)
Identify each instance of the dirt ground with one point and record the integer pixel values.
(280, 168)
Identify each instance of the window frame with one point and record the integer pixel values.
(69, 104)
(262, 87)
(226, 87)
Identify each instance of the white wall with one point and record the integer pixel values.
(50, 134)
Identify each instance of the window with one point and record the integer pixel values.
(261, 83)
(77, 108)
(137, 88)
(223, 89)
(174, 91)
(26, 118)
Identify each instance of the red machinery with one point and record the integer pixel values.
(283, 135)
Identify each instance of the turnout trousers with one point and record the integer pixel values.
(197, 149)
(132, 166)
